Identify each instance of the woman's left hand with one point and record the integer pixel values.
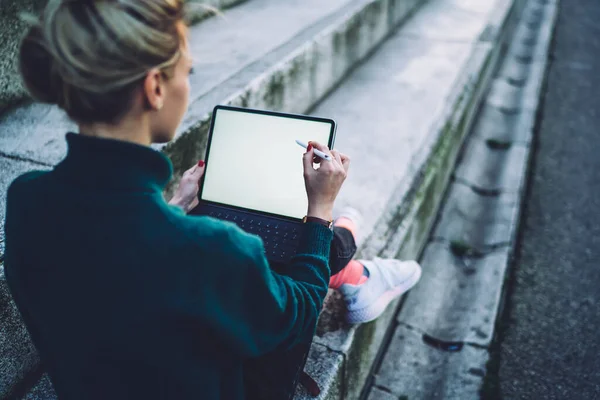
(186, 195)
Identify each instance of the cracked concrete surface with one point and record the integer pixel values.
(445, 327)
(458, 297)
(441, 375)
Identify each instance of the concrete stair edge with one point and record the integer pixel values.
(464, 295)
(412, 210)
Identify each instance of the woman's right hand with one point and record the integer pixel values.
(323, 184)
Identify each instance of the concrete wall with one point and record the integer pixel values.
(11, 31)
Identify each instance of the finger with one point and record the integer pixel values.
(307, 161)
(191, 170)
(345, 161)
(336, 155)
(317, 160)
(325, 150)
(199, 170)
(321, 147)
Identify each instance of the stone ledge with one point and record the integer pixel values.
(475, 221)
(378, 394)
(17, 353)
(398, 218)
(442, 374)
(325, 366)
(473, 283)
(454, 308)
(496, 161)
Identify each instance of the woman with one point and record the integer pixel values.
(124, 295)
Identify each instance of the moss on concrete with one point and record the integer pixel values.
(186, 151)
(360, 359)
(275, 91)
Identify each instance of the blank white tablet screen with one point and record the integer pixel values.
(255, 162)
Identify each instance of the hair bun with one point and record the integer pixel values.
(36, 64)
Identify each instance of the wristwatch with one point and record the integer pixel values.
(324, 222)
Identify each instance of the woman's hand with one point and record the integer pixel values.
(186, 195)
(323, 184)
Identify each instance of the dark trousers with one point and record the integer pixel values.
(275, 376)
(343, 248)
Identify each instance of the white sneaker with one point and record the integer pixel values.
(388, 279)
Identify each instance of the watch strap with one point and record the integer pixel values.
(324, 222)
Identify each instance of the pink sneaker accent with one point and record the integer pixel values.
(351, 274)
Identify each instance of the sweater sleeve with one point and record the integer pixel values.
(255, 309)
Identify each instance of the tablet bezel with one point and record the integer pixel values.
(332, 134)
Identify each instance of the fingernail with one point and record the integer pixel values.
(309, 147)
(201, 163)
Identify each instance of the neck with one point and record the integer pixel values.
(129, 130)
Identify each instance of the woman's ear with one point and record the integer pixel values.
(154, 90)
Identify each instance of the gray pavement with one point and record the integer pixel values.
(549, 343)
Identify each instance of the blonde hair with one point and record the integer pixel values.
(89, 56)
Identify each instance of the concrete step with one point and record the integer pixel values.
(402, 118)
(262, 54)
(440, 346)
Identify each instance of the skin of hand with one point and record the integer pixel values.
(323, 183)
(186, 195)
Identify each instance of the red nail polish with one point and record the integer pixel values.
(201, 163)
(309, 147)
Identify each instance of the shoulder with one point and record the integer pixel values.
(26, 178)
(22, 183)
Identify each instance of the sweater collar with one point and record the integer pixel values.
(114, 164)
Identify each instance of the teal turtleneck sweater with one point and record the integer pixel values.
(126, 297)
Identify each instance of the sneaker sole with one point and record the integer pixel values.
(373, 311)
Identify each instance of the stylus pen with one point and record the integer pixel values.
(319, 153)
